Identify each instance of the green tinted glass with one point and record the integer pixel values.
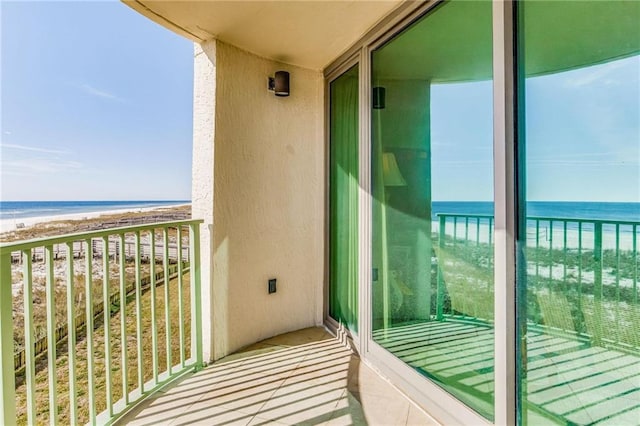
(343, 200)
(432, 180)
(578, 249)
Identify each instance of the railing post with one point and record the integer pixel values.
(7, 375)
(440, 285)
(71, 336)
(196, 298)
(106, 312)
(635, 264)
(89, 329)
(597, 279)
(51, 335)
(29, 338)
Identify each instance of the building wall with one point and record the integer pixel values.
(204, 108)
(268, 199)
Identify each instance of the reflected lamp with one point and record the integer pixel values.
(390, 171)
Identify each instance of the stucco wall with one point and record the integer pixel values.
(268, 191)
(204, 104)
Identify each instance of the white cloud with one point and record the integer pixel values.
(31, 148)
(90, 90)
(581, 78)
(38, 166)
(6, 132)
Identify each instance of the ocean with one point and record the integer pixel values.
(27, 209)
(573, 210)
(624, 236)
(555, 209)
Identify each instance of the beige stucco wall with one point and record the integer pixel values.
(268, 197)
(204, 104)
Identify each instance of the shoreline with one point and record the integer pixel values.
(9, 225)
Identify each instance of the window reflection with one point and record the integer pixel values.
(578, 279)
(432, 172)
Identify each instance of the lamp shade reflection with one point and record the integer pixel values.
(390, 171)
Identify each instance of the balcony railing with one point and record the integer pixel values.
(69, 357)
(581, 275)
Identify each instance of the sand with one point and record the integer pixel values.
(7, 225)
(38, 227)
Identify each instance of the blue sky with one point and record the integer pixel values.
(583, 136)
(96, 104)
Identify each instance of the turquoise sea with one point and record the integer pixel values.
(556, 209)
(574, 210)
(26, 209)
(621, 221)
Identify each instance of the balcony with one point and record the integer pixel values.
(303, 377)
(580, 343)
(580, 353)
(60, 373)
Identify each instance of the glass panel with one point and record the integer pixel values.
(343, 201)
(432, 183)
(578, 273)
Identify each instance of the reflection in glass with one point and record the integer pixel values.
(579, 268)
(432, 180)
(343, 200)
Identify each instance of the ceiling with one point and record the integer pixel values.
(310, 34)
(452, 43)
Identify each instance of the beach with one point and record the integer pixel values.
(69, 293)
(32, 227)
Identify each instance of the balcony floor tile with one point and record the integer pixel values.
(302, 378)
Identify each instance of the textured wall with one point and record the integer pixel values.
(268, 196)
(204, 104)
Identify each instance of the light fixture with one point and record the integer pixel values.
(390, 172)
(279, 83)
(379, 97)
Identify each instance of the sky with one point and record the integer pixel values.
(96, 104)
(582, 136)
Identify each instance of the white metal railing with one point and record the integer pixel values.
(124, 314)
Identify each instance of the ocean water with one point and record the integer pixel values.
(573, 210)
(554, 209)
(26, 209)
(623, 229)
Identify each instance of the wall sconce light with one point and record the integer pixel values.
(379, 97)
(279, 84)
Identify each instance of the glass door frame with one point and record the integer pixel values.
(442, 405)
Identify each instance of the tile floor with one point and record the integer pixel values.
(302, 378)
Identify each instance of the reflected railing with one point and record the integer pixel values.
(581, 278)
(92, 323)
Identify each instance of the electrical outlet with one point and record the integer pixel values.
(272, 285)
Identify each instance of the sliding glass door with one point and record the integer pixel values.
(432, 188)
(500, 209)
(343, 199)
(580, 212)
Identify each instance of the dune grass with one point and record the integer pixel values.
(99, 373)
(70, 226)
